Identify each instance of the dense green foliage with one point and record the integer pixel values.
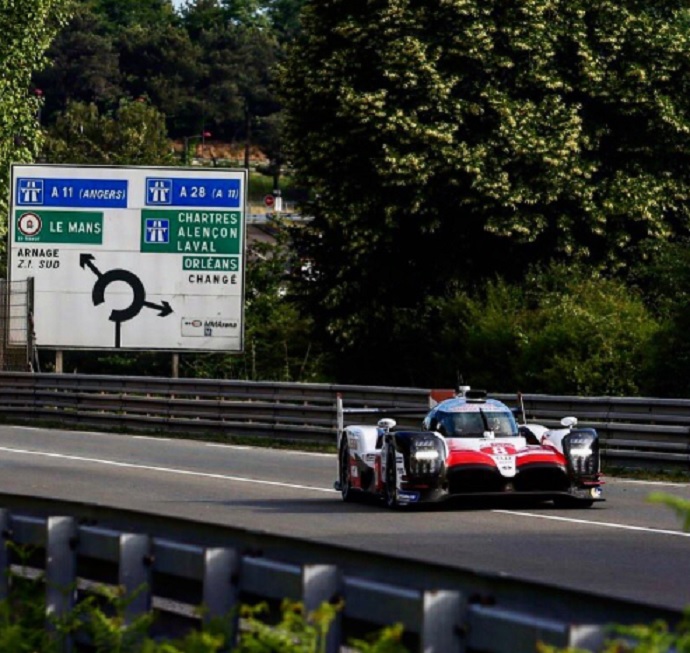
(27, 29)
(134, 134)
(101, 618)
(206, 68)
(562, 331)
(450, 142)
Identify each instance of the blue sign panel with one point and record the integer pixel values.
(72, 193)
(214, 193)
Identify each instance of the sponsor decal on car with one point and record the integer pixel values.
(505, 464)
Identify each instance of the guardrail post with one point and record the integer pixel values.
(221, 583)
(134, 574)
(4, 553)
(442, 630)
(61, 571)
(322, 584)
(339, 417)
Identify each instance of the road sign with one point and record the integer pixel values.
(131, 258)
(269, 201)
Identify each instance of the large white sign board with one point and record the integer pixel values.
(131, 258)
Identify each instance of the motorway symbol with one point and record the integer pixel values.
(157, 231)
(104, 279)
(158, 191)
(30, 191)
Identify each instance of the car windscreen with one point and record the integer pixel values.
(474, 424)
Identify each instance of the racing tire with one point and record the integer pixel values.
(571, 503)
(390, 489)
(347, 492)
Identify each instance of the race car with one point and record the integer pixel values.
(469, 445)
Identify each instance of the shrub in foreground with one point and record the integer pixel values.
(101, 619)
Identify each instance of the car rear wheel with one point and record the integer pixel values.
(390, 489)
(346, 490)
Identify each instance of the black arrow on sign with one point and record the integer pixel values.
(86, 261)
(133, 281)
(163, 307)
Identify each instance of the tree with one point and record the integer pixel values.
(27, 29)
(84, 65)
(164, 65)
(126, 13)
(236, 88)
(201, 15)
(285, 17)
(446, 142)
(248, 13)
(664, 279)
(135, 134)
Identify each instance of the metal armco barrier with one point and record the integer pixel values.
(184, 564)
(634, 431)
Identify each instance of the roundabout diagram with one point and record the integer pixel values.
(138, 302)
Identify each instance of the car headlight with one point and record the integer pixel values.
(426, 454)
(581, 449)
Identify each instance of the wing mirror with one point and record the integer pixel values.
(386, 423)
(569, 422)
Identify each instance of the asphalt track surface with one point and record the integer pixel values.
(626, 547)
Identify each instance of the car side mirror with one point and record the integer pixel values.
(386, 423)
(569, 422)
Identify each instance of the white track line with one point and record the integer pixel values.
(165, 470)
(589, 522)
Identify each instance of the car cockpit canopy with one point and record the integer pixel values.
(476, 424)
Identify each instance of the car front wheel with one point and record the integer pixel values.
(346, 491)
(390, 489)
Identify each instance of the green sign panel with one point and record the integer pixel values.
(189, 231)
(213, 263)
(73, 227)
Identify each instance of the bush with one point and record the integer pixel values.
(101, 619)
(564, 331)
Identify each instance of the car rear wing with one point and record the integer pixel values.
(392, 410)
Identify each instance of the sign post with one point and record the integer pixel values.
(131, 258)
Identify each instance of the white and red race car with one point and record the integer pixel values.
(469, 445)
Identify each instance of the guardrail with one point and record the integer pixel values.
(634, 431)
(183, 564)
